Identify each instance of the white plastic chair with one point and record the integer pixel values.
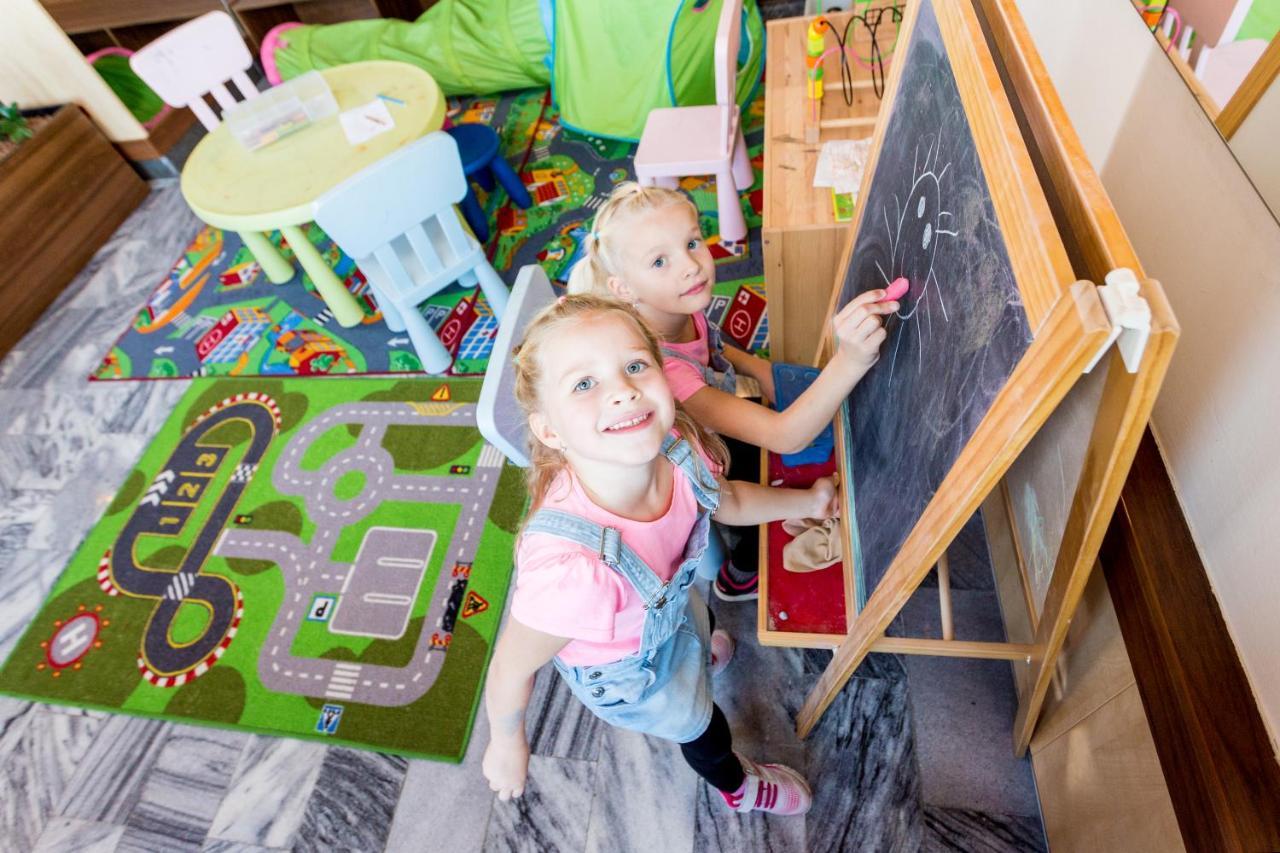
(199, 58)
(196, 59)
(396, 220)
(498, 415)
(704, 140)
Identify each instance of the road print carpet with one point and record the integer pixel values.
(320, 559)
(215, 314)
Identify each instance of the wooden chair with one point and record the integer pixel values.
(705, 140)
(197, 58)
(396, 219)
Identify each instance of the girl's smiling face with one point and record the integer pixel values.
(666, 265)
(602, 398)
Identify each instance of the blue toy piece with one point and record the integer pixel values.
(789, 382)
(478, 144)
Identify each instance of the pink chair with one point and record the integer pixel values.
(197, 58)
(706, 140)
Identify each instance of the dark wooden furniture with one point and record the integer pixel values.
(62, 194)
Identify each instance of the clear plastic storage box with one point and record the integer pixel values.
(281, 110)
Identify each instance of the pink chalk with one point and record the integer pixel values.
(897, 290)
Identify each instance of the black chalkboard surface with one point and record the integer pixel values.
(927, 216)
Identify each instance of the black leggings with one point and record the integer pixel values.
(744, 464)
(711, 755)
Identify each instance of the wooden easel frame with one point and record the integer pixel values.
(1099, 244)
(1067, 319)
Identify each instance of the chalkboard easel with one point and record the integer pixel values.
(995, 332)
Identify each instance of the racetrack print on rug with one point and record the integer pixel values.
(315, 559)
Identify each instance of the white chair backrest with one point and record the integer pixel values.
(728, 39)
(196, 58)
(398, 213)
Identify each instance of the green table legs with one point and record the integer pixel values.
(340, 301)
(274, 264)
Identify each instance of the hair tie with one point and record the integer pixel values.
(561, 300)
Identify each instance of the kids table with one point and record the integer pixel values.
(275, 187)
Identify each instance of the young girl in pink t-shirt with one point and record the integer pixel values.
(623, 485)
(646, 248)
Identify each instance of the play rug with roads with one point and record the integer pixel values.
(322, 559)
(215, 314)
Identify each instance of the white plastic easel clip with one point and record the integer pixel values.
(1130, 317)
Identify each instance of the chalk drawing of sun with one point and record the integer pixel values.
(916, 228)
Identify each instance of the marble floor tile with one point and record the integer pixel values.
(38, 755)
(352, 802)
(183, 789)
(645, 796)
(74, 511)
(761, 690)
(862, 767)
(221, 845)
(552, 814)
(436, 794)
(966, 831)
(24, 583)
(12, 712)
(963, 712)
(94, 408)
(557, 724)
(69, 835)
(109, 779)
(269, 792)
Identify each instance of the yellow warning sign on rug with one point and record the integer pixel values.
(473, 605)
(441, 394)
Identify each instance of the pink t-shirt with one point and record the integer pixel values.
(685, 380)
(566, 590)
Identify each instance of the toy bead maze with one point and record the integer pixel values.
(323, 560)
(993, 333)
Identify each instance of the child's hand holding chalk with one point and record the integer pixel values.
(859, 330)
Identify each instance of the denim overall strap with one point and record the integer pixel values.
(715, 347)
(706, 488)
(605, 541)
(719, 373)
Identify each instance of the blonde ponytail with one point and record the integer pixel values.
(600, 253)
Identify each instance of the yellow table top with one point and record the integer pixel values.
(230, 187)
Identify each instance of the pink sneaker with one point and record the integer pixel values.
(770, 788)
(721, 651)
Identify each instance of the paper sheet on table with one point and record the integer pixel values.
(840, 165)
(366, 121)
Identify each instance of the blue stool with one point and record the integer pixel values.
(478, 145)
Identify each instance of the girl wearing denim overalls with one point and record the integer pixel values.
(646, 249)
(623, 487)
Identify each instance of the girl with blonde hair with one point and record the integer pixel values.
(646, 248)
(623, 487)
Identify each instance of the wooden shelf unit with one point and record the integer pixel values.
(802, 241)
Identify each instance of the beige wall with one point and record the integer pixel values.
(1203, 231)
(1257, 146)
(39, 66)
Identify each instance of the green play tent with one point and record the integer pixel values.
(608, 62)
